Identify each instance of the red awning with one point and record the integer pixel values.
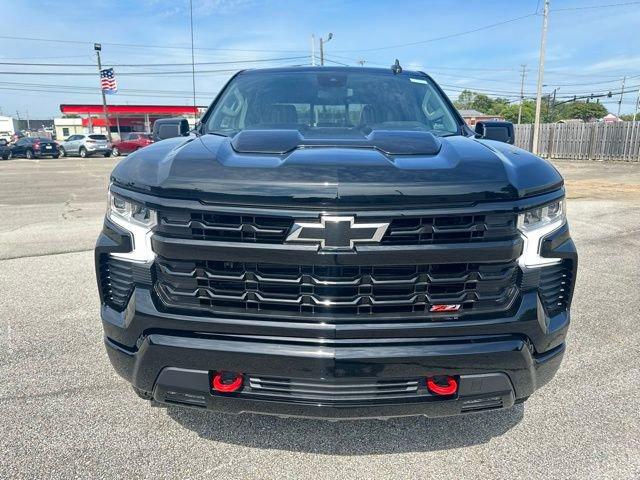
(130, 109)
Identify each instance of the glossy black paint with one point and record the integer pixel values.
(143, 340)
(499, 131)
(378, 174)
(288, 167)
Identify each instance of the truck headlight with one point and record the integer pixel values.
(534, 226)
(138, 220)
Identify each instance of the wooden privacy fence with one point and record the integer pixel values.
(584, 141)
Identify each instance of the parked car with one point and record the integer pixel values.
(35, 147)
(336, 242)
(85, 145)
(5, 149)
(131, 142)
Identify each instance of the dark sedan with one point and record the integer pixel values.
(5, 150)
(35, 147)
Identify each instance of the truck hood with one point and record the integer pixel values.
(382, 169)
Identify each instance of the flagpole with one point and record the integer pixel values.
(97, 47)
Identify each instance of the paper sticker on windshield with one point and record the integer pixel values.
(418, 80)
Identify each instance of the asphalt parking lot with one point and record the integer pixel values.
(64, 412)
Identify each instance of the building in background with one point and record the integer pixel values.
(122, 118)
(471, 117)
(611, 118)
(67, 126)
(8, 127)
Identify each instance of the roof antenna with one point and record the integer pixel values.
(396, 68)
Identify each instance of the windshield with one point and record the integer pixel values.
(331, 100)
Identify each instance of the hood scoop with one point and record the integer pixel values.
(389, 142)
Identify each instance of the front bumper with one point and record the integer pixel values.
(498, 361)
(495, 369)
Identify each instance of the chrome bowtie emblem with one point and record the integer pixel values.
(339, 233)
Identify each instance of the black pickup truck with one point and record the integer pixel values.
(335, 242)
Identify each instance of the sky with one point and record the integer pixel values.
(479, 45)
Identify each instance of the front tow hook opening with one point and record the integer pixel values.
(442, 385)
(226, 382)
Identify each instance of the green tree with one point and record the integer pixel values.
(585, 111)
(465, 99)
(629, 117)
(510, 112)
(482, 103)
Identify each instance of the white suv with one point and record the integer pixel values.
(85, 145)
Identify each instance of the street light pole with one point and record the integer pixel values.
(543, 46)
(98, 47)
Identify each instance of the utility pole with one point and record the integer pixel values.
(624, 79)
(98, 47)
(322, 42)
(313, 50)
(521, 93)
(552, 110)
(635, 111)
(28, 123)
(543, 46)
(193, 64)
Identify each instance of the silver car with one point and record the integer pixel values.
(84, 144)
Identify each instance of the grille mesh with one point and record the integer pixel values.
(407, 230)
(332, 391)
(352, 290)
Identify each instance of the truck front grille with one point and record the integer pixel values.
(222, 286)
(272, 229)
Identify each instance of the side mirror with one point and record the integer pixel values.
(164, 128)
(499, 131)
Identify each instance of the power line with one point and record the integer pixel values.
(134, 74)
(130, 74)
(593, 7)
(444, 37)
(223, 62)
(138, 95)
(140, 45)
(92, 89)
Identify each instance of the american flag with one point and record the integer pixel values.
(108, 81)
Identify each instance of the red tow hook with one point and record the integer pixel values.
(226, 382)
(442, 385)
